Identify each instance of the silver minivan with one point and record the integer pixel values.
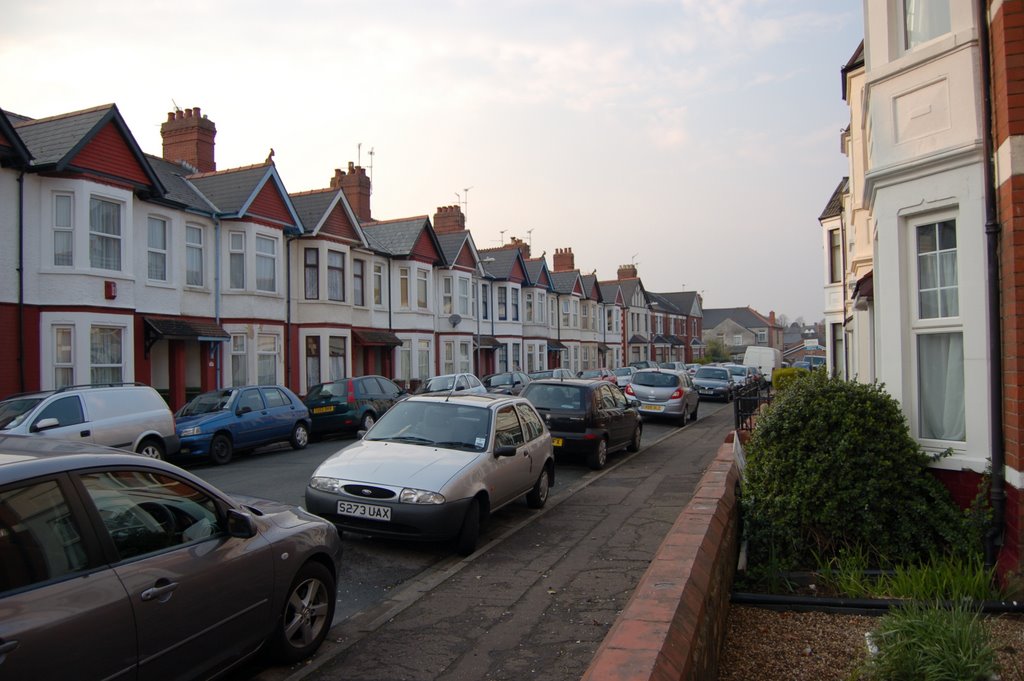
(130, 416)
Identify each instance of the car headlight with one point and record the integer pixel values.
(419, 496)
(332, 485)
(194, 430)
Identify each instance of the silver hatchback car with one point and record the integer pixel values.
(665, 393)
(116, 565)
(435, 466)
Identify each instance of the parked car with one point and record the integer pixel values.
(764, 358)
(128, 416)
(350, 404)
(643, 364)
(623, 375)
(692, 368)
(551, 373)
(587, 417)
(673, 366)
(742, 376)
(506, 382)
(816, 361)
(601, 374)
(802, 364)
(135, 568)
(453, 384)
(219, 423)
(714, 382)
(435, 466)
(665, 393)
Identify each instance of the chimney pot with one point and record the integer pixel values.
(189, 139)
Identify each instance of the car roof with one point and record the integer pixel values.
(583, 382)
(25, 456)
(487, 400)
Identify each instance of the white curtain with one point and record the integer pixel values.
(940, 359)
(924, 20)
(105, 355)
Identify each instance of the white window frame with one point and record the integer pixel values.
(514, 302)
(66, 231)
(448, 357)
(463, 287)
(378, 283)
(929, 9)
(528, 305)
(311, 274)
(404, 284)
(267, 345)
(423, 359)
(335, 276)
(268, 258)
(422, 289)
(447, 297)
(157, 252)
(236, 260)
(465, 357)
(191, 247)
(63, 363)
(238, 351)
(117, 364)
(97, 236)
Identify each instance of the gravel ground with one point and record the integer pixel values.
(796, 646)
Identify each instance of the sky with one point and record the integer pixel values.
(696, 139)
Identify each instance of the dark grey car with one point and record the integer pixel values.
(115, 565)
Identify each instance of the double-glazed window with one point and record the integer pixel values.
(104, 234)
(193, 255)
(236, 260)
(266, 264)
(239, 360)
(447, 296)
(403, 287)
(378, 283)
(266, 359)
(63, 230)
(311, 270)
(502, 303)
(63, 356)
(358, 269)
(835, 257)
(924, 20)
(157, 249)
(939, 333)
(335, 276)
(106, 350)
(514, 294)
(463, 291)
(421, 289)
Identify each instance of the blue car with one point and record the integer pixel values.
(218, 423)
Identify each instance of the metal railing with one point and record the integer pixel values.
(748, 402)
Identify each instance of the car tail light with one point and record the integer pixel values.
(678, 394)
(629, 389)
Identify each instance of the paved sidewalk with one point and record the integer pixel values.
(537, 604)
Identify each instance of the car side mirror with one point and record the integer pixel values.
(241, 525)
(506, 450)
(44, 424)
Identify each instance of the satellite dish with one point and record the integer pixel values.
(454, 320)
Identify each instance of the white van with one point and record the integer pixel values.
(765, 359)
(129, 416)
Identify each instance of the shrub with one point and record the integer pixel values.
(831, 464)
(781, 378)
(924, 642)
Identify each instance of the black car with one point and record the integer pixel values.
(590, 417)
(506, 382)
(350, 404)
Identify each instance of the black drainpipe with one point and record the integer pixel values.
(994, 536)
(21, 282)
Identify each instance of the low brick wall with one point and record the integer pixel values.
(673, 626)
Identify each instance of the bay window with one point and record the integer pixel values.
(106, 357)
(193, 256)
(311, 269)
(421, 289)
(236, 260)
(104, 234)
(266, 264)
(335, 276)
(63, 230)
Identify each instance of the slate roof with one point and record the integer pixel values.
(534, 268)
(179, 189)
(834, 207)
(685, 301)
(229, 190)
(395, 237)
(743, 316)
(17, 145)
(177, 328)
(589, 283)
(504, 261)
(629, 287)
(452, 244)
(661, 303)
(311, 207)
(609, 289)
(564, 282)
(50, 140)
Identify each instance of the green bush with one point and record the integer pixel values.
(929, 643)
(831, 464)
(781, 378)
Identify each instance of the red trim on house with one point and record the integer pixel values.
(270, 204)
(108, 152)
(465, 258)
(10, 381)
(337, 224)
(517, 274)
(424, 250)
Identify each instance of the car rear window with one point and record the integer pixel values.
(708, 372)
(555, 396)
(338, 389)
(655, 379)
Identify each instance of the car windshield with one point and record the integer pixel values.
(441, 424)
(624, 371)
(14, 410)
(591, 373)
(437, 384)
(207, 403)
(713, 373)
(738, 371)
(542, 374)
(554, 396)
(498, 379)
(655, 379)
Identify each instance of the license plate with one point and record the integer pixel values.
(322, 410)
(705, 391)
(368, 511)
(556, 442)
(651, 407)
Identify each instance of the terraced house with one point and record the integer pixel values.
(126, 266)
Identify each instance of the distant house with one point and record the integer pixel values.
(740, 327)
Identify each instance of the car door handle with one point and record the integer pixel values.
(161, 591)
(7, 647)
(85, 433)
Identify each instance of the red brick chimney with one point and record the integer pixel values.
(524, 248)
(449, 219)
(627, 271)
(356, 186)
(188, 137)
(564, 260)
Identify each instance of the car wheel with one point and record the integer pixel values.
(465, 543)
(693, 416)
(634, 444)
(307, 614)
(300, 436)
(538, 496)
(599, 457)
(152, 448)
(220, 450)
(367, 421)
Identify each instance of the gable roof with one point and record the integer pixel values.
(660, 303)
(591, 287)
(317, 207)
(452, 244)
(686, 302)
(55, 143)
(236, 192)
(507, 264)
(11, 145)
(629, 287)
(178, 189)
(834, 207)
(399, 238)
(537, 271)
(612, 292)
(567, 282)
(744, 316)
